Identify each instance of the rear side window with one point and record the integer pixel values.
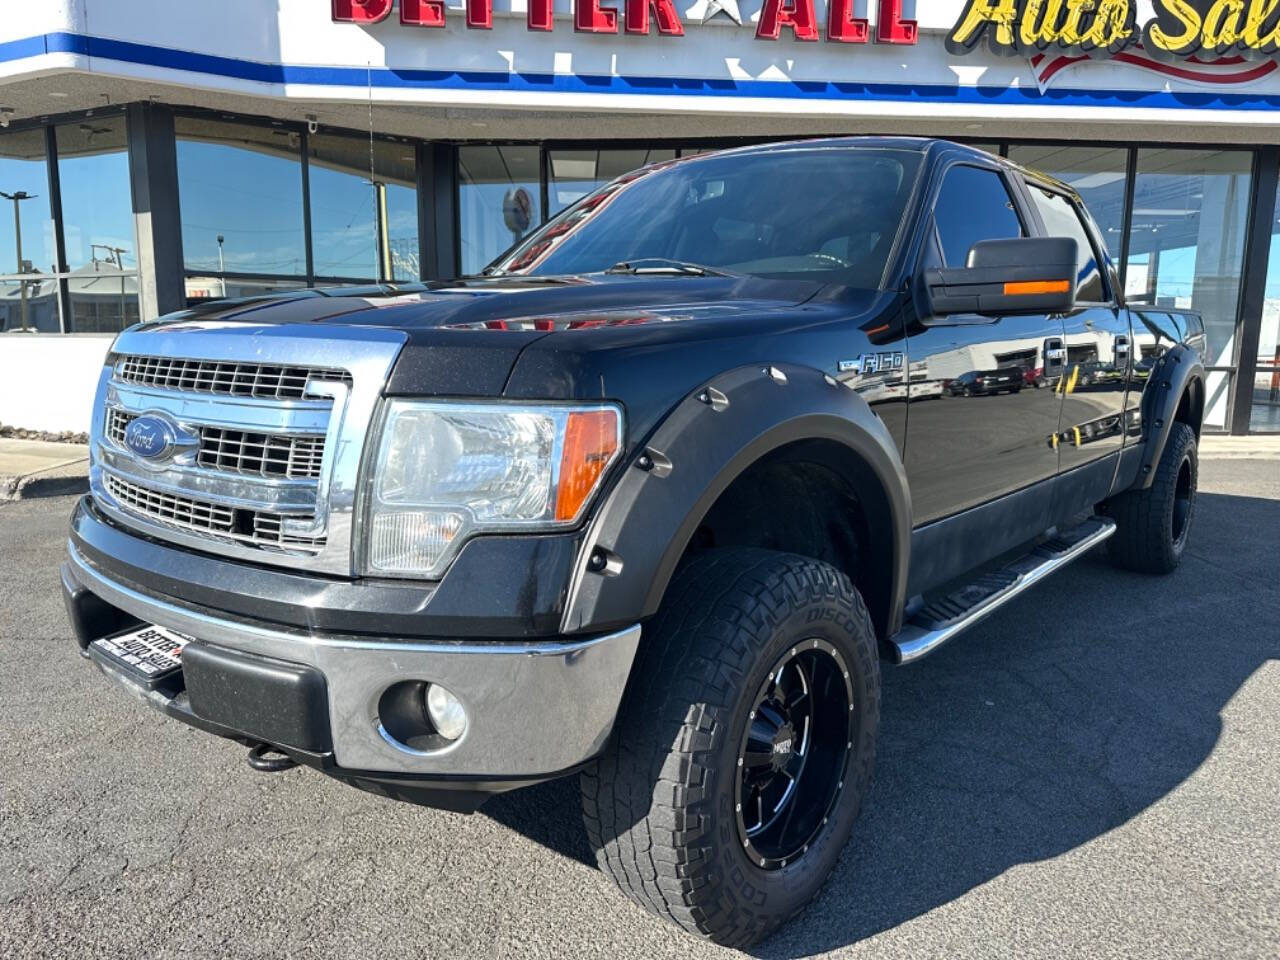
(973, 205)
(1062, 219)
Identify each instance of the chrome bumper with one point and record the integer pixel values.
(533, 708)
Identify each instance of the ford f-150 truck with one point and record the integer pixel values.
(650, 501)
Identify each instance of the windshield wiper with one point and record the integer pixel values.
(659, 266)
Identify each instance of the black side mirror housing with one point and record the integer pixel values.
(1006, 278)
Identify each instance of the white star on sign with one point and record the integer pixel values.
(704, 10)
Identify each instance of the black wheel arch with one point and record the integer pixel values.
(1175, 393)
(715, 435)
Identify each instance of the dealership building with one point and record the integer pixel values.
(156, 154)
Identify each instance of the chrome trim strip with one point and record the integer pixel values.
(912, 643)
(533, 707)
(237, 490)
(218, 410)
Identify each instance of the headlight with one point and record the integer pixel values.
(447, 471)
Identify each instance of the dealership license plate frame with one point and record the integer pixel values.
(149, 654)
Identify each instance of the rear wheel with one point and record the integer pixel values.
(744, 745)
(1152, 525)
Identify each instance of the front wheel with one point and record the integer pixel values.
(1152, 525)
(744, 745)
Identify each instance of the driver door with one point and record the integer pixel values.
(970, 447)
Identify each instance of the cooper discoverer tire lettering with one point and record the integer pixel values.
(663, 805)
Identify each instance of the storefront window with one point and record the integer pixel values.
(240, 193)
(1186, 248)
(27, 304)
(1265, 415)
(575, 173)
(93, 172)
(102, 302)
(364, 208)
(498, 200)
(24, 188)
(1096, 173)
(97, 225)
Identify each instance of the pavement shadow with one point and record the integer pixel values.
(1062, 717)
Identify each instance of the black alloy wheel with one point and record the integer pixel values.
(793, 753)
(744, 745)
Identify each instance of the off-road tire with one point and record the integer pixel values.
(1151, 525)
(659, 803)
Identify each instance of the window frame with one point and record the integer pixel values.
(1109, 298)
(1016, 198)
(929, 231)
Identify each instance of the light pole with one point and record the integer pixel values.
(17, 197)
(222, 270)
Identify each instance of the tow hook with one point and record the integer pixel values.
(267, 759)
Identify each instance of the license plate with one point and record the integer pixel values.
(150, 654)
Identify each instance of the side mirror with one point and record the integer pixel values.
(1006, 278)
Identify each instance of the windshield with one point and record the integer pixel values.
(829, 214)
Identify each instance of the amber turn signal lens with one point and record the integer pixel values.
(590, 441)
(1025, 287)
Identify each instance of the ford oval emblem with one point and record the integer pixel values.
(150, 437)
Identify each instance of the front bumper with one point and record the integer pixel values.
(535, 708)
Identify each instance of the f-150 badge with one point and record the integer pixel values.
(872, 363)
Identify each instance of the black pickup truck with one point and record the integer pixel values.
(650, 501)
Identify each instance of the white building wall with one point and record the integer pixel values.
(47, 381)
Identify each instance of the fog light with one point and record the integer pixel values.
(446, 713)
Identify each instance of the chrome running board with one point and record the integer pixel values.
(941, 620)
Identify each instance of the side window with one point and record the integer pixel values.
(973, 204)
(1061, 219)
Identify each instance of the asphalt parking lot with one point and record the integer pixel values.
(1092, 772)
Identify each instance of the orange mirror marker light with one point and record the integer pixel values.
(590, 442)
(1024, 287)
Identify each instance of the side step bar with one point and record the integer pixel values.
(941, 620)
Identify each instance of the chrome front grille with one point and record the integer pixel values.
(233, 379)
(253, 527)
(169, 508)
(292, 456)
(255, 436)
(261, 453)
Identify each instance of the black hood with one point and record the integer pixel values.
(463, 337)
(641, 341)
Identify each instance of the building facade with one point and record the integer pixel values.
(155, 154)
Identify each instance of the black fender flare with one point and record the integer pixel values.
(1171, 377)
(664, 491)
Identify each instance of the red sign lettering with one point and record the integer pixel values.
(422, 13)
(796, 14)
(843, 26)
(480, 14)
(361, 11)
(664, 12)
(891, 28)
(542, 14)
(590, 17)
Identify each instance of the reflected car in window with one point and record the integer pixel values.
(986, 382)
